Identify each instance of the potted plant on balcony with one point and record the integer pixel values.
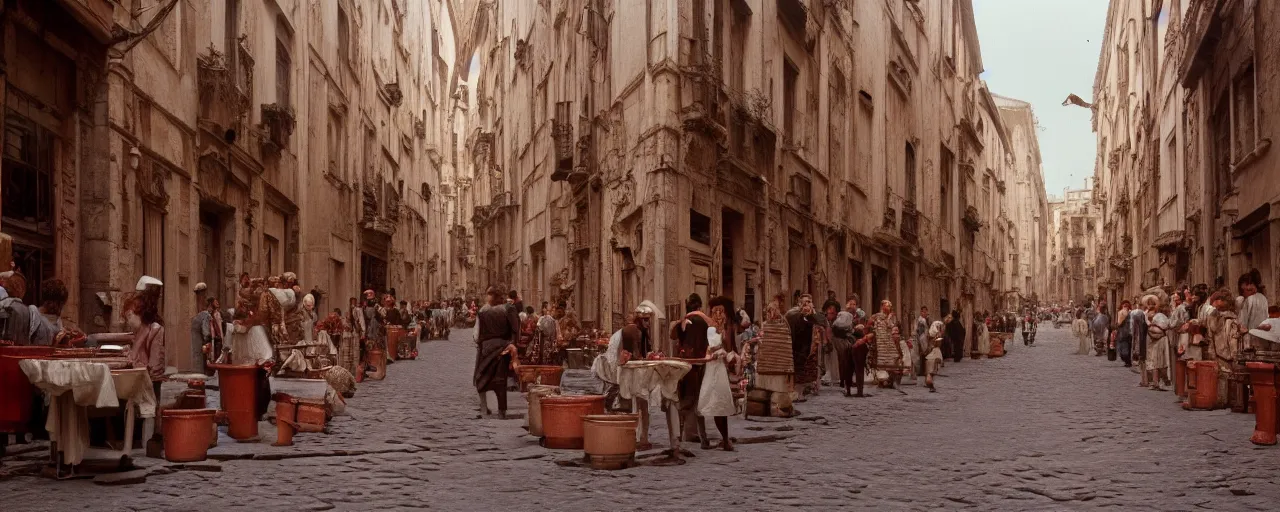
(278, 121)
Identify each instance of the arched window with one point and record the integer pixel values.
(909, 168)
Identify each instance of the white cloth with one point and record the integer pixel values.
(644, 378)
(90, 384)
(251, 347)
(984, 340)
(72, 387)
(324, 339)
(1080, 329)
(605, 367)
(1272, 335)
(716, 398)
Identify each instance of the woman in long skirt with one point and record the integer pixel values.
(1157, 361)
(496, 329)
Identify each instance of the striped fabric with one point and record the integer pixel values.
(775, 349)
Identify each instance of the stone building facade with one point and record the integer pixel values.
(1027, 202)
(617, 151)
(1075, 230)
(193, 141)
(1183, 107)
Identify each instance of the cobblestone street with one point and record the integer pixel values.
(1038, 429)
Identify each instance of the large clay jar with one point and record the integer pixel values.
(535, 395)
(377, 359)
(395, 334)
(1263, 378)
(186, 434)
(548, 375)
(238, 395)
(15, 401)
(1202, 385)
(311, 415)
(609, 440)
(562, 419)
(997, 347)
(286, 420)
(1180, 378)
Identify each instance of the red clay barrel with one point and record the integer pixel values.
(238, 394)
(15, 400)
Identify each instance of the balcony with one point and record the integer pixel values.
(705, 111)
(910, 225)
(278, 122)
(223, 100)
(972, 219)
(1201, 29)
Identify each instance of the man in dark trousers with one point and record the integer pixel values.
(691, 335)
(956, 335)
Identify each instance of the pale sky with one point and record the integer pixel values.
(1040, 51)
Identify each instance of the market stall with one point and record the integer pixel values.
(78, 387)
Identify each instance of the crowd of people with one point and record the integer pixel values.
(1164, 328)
(793, 352)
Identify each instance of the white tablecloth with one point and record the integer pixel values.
(73, 387)
(644, 378)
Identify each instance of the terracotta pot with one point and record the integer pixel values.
(311, 415)
(1180, 378)
(286, 420)
(1263, 377)
(15, 402)
(535, 395)
(548, 375)
(378, 361)
(394, 336)
(609, 440)
(1202, 385)
(186, 433)
(562, 419)
(997, 348)
(237, 394)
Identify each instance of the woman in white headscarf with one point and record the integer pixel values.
(1157, 361)
(308, 318)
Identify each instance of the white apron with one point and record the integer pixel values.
(716, 398)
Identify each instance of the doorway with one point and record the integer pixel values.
(209, 264)
(630, 285)
(730, 236)
(879, 286)
(373, 273)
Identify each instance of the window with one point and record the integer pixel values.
(370, 143)
(945, 189)
(953, 38)
(1243, 113)
(28, 171)
(790, 77)
(284, 63)
(836, 125)
(344, 37)
(738, 46)
(337, 146)
(802, 189)
(271, 253)
(862, 139)
(909, 171)
(699, 227)
(231, 45)
(152, 240)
